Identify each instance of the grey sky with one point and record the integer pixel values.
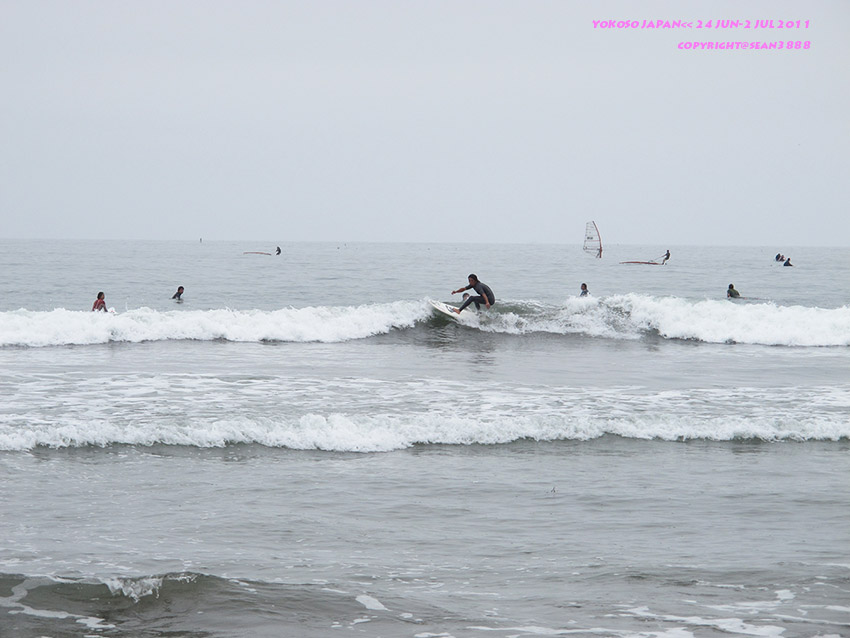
(370, 120)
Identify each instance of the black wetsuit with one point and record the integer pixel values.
(483, 291)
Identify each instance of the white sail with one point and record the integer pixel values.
(592, 239)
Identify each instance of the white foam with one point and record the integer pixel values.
(277, 412)
(370, 603)
(19, 592)
(726, 625)
(320, 324)
(387, 432)
(725, 322)
(134, 588)
(618, 317)
(712, 321)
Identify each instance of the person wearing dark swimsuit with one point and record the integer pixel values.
(485, 295)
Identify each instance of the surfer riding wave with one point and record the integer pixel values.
(485, 295)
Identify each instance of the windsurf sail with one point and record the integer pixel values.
(592, 239)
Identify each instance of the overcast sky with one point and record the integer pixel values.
(428, 120)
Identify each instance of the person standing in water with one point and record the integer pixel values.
(179, 294)
(666, 257)
(584, 291)
(485, 295)
(99, 303)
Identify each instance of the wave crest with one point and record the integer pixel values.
(629, 316)
(313, 324)
(338, 432)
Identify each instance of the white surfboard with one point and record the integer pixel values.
(467, 317)
(444, 308)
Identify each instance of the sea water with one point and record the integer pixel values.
(303, 448)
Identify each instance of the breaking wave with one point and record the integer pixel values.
(366, 415)
(629, 316)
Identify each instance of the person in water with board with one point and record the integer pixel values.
(584, 291)
(485, 295)
(179, 294)
(731, 293)
(99, 303)
(666, 257)
(277, 252)
(787, 262)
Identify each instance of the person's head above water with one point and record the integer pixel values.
(731, 286)
(472, 278)
(584, 286)
(100, 295)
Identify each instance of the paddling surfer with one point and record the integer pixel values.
(731, 293)
(485, 295)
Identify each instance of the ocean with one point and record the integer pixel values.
(303, 448)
